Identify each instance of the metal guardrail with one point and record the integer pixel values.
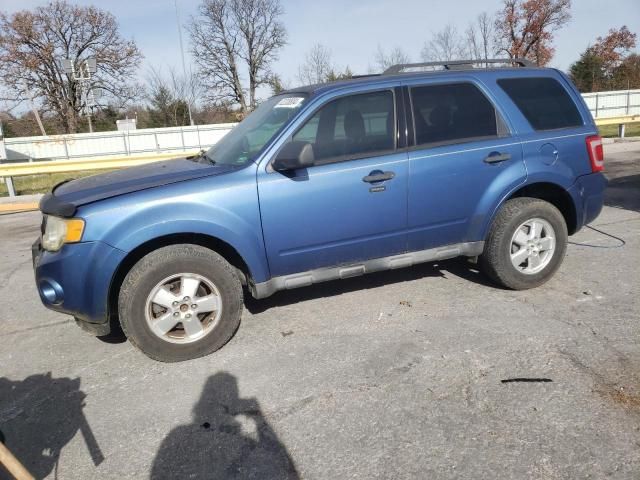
(101, 150)
(80, 165)
(617, 120)
(9, 170)
(621, 122)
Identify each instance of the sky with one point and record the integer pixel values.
(351, 29)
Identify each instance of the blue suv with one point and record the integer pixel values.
(499, 163)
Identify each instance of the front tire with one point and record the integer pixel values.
(180, 302)
(526, 244)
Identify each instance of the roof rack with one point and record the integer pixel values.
(365, 75)
(459, 64)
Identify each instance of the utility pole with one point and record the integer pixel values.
(184, 65)
(35, 110)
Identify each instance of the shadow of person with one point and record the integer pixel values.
(38, 417)
(229, 438)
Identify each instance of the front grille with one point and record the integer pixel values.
(43, 225)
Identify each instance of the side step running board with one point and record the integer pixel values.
(304, 279)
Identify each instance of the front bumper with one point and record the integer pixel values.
(76, 281)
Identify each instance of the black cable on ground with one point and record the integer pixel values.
(622, 242)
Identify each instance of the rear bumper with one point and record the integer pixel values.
(76, 281)
(588, 197)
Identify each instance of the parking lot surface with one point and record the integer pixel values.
(394, 375)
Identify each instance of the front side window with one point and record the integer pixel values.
(543, 102)
(453, 113)
(351, 127)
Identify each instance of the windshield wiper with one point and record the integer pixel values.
(204, 154)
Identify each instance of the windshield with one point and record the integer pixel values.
(242, 144)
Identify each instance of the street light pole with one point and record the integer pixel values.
(184, 65)
(87, 67)
(88, 111)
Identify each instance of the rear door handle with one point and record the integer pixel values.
(497, 157)
(378, 176)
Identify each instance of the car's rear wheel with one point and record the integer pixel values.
(180, 302)
(526, 244)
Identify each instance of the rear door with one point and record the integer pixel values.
(463, 157)
(352, 204)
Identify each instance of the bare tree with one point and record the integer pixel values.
(160, 98)
(277, 84)
(480, 38)
(263, 35)
(215, 44)
(170, 95)
(186, 87)
(317, 66)
(32, 44)
(384, 59)
(444, 45)
(485, 31)
(229, 37)
(525, 28)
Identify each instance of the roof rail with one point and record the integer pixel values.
(459, 64)
(365, 75)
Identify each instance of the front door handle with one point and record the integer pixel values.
(378, 176)
(497, 157)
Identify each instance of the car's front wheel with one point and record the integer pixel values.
(526, 244)
(180, 302)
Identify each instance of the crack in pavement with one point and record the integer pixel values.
(37, 327)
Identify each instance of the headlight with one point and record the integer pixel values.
(59, 231)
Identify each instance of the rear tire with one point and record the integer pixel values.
(180, 302)
(526, 244)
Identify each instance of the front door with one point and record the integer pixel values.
(352, 204)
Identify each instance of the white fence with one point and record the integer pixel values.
(613, 104)
(129, 142)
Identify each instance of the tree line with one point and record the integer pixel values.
(234, 45)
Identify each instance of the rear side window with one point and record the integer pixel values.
(543, 102)
(453, 113)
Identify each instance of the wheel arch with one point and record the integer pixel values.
(556, 195)
(551, 191)
(227, 251)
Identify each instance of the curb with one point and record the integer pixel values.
(18, 207)
(625, 139)
(610, 140)
(21, 203)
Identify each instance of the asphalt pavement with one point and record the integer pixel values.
(430, 372)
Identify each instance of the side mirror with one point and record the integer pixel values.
(294, 155)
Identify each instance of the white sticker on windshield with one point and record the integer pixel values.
(290, 102)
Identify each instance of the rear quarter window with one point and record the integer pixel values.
(543, 101)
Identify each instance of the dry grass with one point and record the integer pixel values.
(31, 184)
(632, 130)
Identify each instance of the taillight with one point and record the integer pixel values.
(596, 153)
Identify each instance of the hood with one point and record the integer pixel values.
(66, 197)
